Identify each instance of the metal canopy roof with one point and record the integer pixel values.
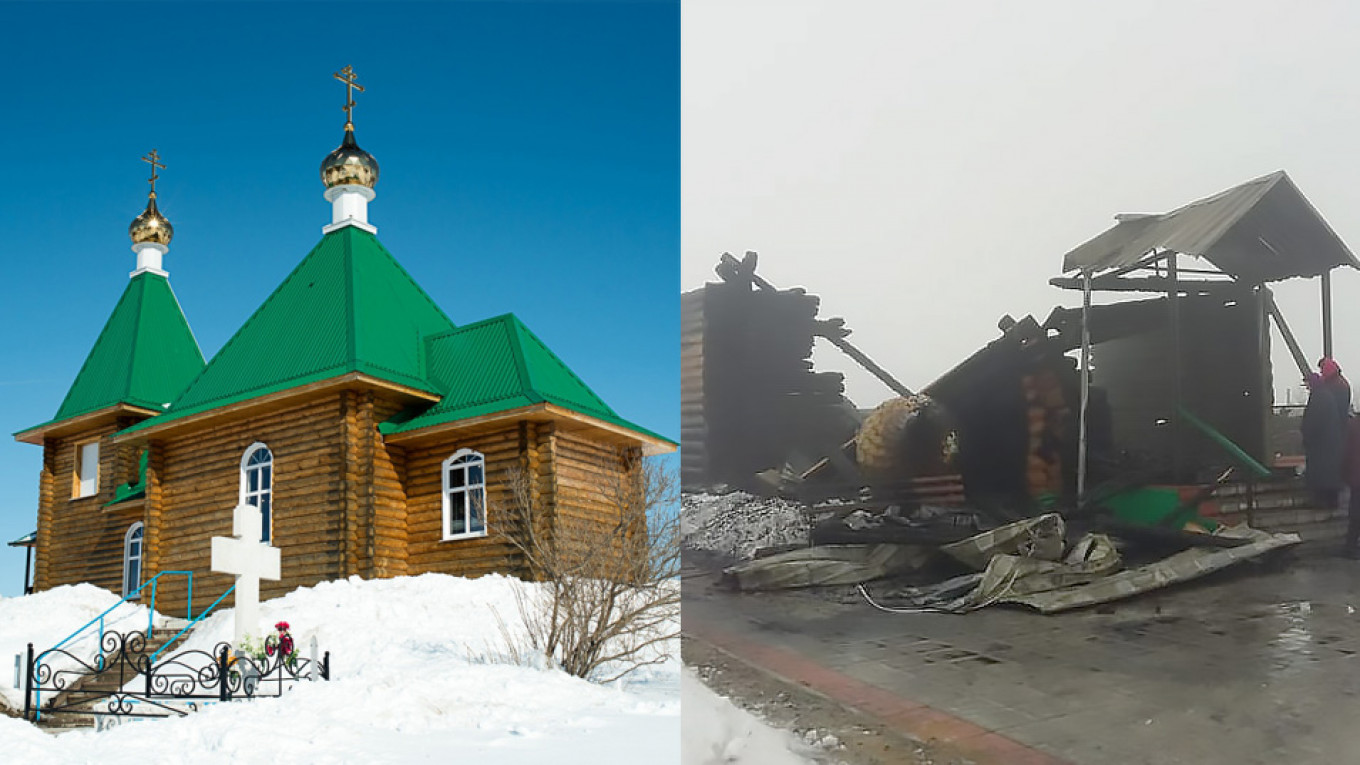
(1261, 231)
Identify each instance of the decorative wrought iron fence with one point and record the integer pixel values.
(122, 680)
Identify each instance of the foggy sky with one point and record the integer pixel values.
(924, 166)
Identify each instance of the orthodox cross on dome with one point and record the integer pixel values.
(154, 159)
(347, 76)
(250, 560)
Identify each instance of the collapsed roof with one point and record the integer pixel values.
(1264, 230)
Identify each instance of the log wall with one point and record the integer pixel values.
(595, 488)
(78, 540)
(344, 501)
(427, 551)
(200, 486)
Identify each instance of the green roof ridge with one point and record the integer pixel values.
(520, 332)
(118, 369)
(521, 364)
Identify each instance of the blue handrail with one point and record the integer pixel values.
(150, 617)
(189, 626)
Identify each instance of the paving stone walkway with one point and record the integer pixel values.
(1254, 665)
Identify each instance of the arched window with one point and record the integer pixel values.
(257, 485)
(464, 495)
(132, 559)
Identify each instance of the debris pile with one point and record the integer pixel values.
(738, 524)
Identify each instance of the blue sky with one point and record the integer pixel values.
(530, 163)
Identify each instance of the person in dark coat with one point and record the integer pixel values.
(1352, 466)
(1324, 440)
(1337, 384)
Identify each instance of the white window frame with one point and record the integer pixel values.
(248, 497)
(79, 488)
(468, 490)
(128, 558)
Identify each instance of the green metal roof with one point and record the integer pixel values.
(497, 365)
(347, 307)
(145, 355)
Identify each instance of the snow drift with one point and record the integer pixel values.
(417, 675)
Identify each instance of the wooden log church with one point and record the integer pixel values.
(375, 436)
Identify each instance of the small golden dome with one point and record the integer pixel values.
(151, 226)
(349, 164)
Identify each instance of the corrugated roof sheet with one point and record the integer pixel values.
(347, 307)
(145, 355)
(1261, 231)
(497, 365)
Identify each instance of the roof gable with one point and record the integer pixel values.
(347, 307)
(145, 355)
(1263, 230)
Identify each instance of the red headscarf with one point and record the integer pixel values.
(1329, 369)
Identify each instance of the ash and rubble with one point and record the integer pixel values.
(736, 525)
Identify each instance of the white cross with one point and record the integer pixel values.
(251, 560)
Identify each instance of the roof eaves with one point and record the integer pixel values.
(337, 375)
(35, 434)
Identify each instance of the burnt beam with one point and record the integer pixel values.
(1294, 350)
(1148, 284)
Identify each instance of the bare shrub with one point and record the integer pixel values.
(608, 600)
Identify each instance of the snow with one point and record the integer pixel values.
(718, 733)
(49, 618)
(737, 524)
(418, 675)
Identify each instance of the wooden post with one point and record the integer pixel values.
(1085, 383)
(1327, 313)
(1174, 307)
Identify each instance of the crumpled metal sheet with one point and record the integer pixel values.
(827, 565)
(1040, 537)
(1181, 567)
(1088, 575)
(1009, 577)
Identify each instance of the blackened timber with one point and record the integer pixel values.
(868, 363)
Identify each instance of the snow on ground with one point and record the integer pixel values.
(46, 619)
(738, 524)
(417, 676)
(718, 733)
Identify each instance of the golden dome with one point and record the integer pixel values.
(151, 226)
(349, 164)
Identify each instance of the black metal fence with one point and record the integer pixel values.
(121, 680)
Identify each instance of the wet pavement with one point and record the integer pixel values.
(1257, 664)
